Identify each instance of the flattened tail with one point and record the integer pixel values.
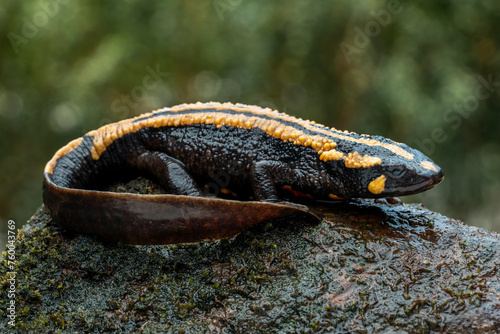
(157, 219)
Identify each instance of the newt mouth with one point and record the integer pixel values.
(430, 180)
(435, 178)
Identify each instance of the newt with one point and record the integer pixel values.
(262, 151)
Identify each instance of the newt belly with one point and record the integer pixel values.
(258, 152)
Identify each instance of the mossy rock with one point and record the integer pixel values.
(369, 266)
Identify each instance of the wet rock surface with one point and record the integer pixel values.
(369, 266)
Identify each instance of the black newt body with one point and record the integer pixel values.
(259, 151)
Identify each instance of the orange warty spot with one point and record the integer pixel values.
(429, 165)
(356, 160)
(99, 144)
(219, 120)
(335, 197)
(225, 191)
(377, 186)
(323, 156)
(94, 154)
(119, 132)
(331, 155)
(107, 140)
(113, 135)
(136, 126)
(126, 128)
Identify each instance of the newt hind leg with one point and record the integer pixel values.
(170, 172)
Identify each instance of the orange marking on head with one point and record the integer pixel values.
(429, 165)
(377, 186)
(356, 160)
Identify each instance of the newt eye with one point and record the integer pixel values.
(397, 172)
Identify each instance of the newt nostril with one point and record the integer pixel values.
(437, 177)
(434, 178)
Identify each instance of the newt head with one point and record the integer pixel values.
(400, 170)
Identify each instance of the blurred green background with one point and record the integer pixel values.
(423, 73)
